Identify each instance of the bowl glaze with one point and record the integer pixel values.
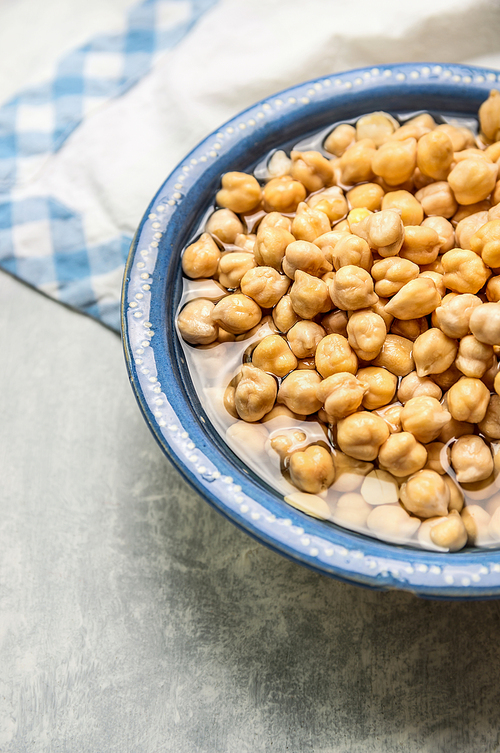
(158, 373)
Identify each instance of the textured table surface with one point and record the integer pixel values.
(134, 618)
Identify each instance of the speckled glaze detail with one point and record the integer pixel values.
(157, 372)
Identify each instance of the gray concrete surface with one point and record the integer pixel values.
(133, 618)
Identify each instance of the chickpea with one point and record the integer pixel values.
(275, 219)
(476, 521)
(195, 323)
(265, 285)
(249, 440)
(420, 245)
(349, 472)
(383, 232)
(410, 329)
(272, 354)
(335, 323)
(396, 355)
(233, 266)
(307, 257)
(491, 373)
(435, 266)
(312, 470)
(283, 417)
(298, 392)
(228, 397)
(467, 211)
(340, 139)
(377, 126)
(201, 258)
(493, 151)
(351, 251)
(415, 299)
(351, 511)
(240, 192)
(379, 308)
(392, 416)
(379, 487)
(225, 224)
(236, 313)
(331, 201)
(402, 455)
(448, 533)
(493, 289)
(468, 400)
(472, 180)
(246, 241)
(341, 395)
(413, 385)
(310, 504)
(366, 334)
(309, 295)
(304, 337)
(270, 246)
(308, 224)
(368, 195)
(284, 316)
(279, 164)
(415, 127)
(392, 523)
(334, 355)
(433, 352)
(445, 232)
(311, 169)
(355, 216)
(360, 435)
(380, 386)
(411, 209)
(395, 161)
(453, 315)
(464, 271)
(456, 495)
(454, 429)
(468, 227)
(461, 138)
(352, 289)
(424, 417)
(438, 457)
(283, 195)
(437, 199)
(489, 116)
(435, 154)
(391, 274)
(471, 459)
(486, 242)
(438, 280)
(426, 494)
(490, 425)
(255, 393)
(474, 357)
(355, 163)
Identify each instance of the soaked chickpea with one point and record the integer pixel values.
(290, 441)
(331, 201)
(486, 243)
(380, 386)
(377, 126)
(396, 355)
(355, 216)
(367, 195)
(493, 289)
(404, 201)
(351, 511)
(453, 315)
(437, 199)
(413, 385)
(255, 393)
(435, 154)
(438, 280)
(312, 470)
(402, 455)
(454, 429)
(236, 313)
(449, 532)
(424, 417)
(426, 494)
(489, 116)
(392, 416)
(341, 395)
(270, 246)
(415, 127)
(490, 425)
(308, 224)
(304, 337)
(201, 258)
(472, 180)
(395, 161)
(356, 162)
(284, 317)
(279, 164)
(240, 192)
(445, 231)
(383, 231)
(392, 523)
(335, 323)
(433, 352)
(468, 400)
(307, 257)
(275, 219)
(471, 459)
(352, 289)
(391, 274)
(233, 266)
(224, 224)
(265, 285)
(474, 357)
(360, 435)
(195, 322)
(309, 295)
(468, 227)
(366, 333)
(298, 392)
(464, 271)
(340, 139)
(273, 354)
(415, 299)
(410, 329)
(470, 209)
(350, 250)
(420, 245)
(438, 457)
(283, 195)
(245, 241)
(312, 169)
(334, 355)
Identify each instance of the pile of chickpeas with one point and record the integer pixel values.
(375, 263)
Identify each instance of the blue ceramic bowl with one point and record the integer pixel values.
(158, 373)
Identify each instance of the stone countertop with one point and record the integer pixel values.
(135, 618)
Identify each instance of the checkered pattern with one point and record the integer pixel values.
(42, 241)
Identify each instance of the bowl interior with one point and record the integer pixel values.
(165, 392)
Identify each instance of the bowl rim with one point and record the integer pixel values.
(177, 424)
